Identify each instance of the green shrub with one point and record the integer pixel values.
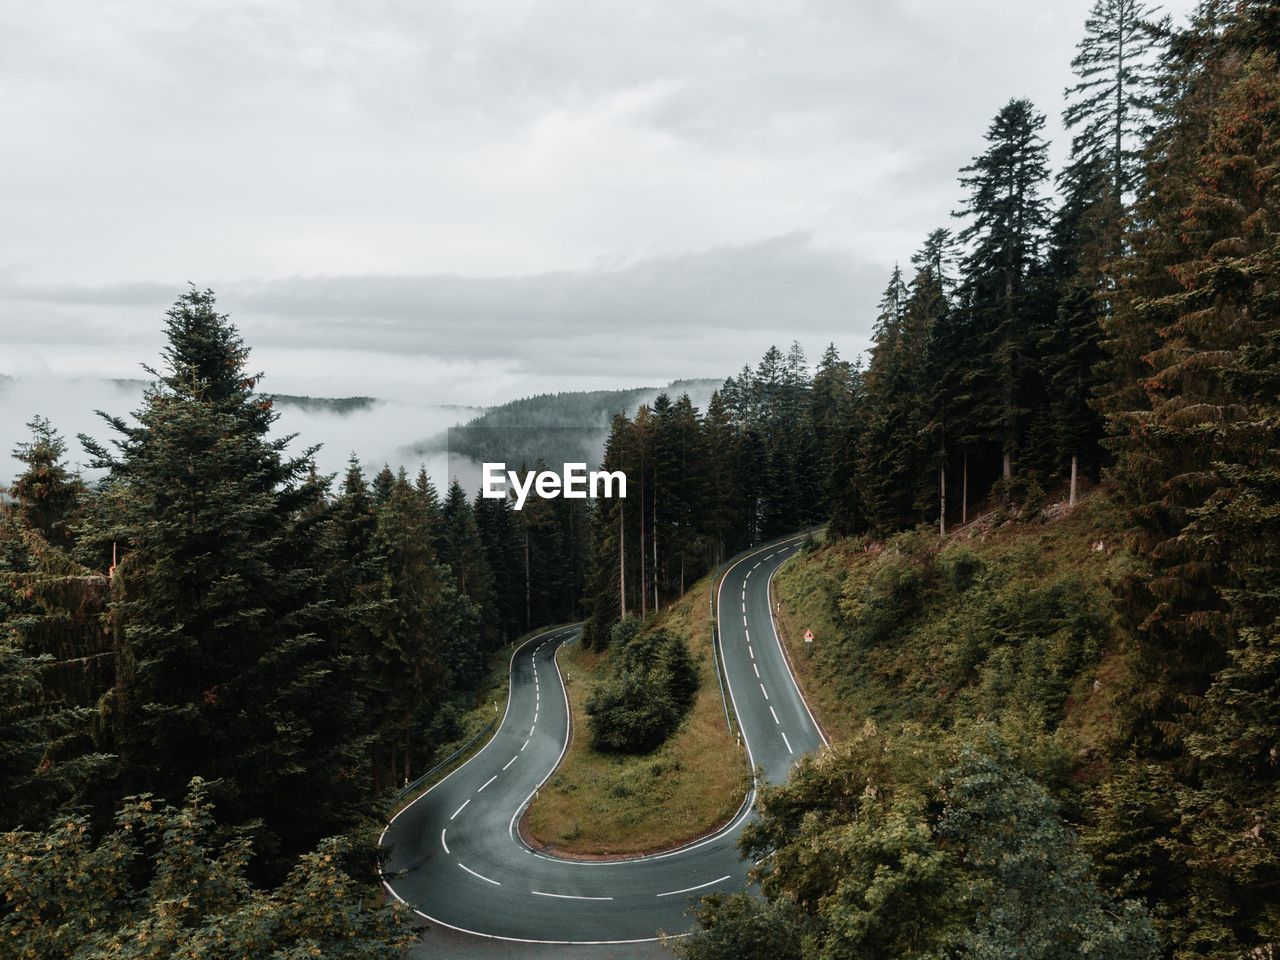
(651, 686)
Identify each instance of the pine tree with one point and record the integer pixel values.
(46, 495)
(1008, 216)
(1197, 465)
(462, 549)
(889, 465)
(499, 532)
(234, 675)
(1109, 107)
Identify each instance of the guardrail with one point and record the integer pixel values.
(410, 787)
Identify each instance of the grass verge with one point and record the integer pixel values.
(598, 805)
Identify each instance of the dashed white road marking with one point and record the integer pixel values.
(460, 809)
(750, 651)
(511, 761)
(566, 896)
(526, 743)
(756, 669)
(531, 728)
(535, 718)
(748, 633)
(480, 875)
(775, 717)
(786, 741)
(489, 781)
(744, 609)
(442, 843)
(709, 883)
(764, 691)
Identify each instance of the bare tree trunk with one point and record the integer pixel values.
(644, 578)
(964, 494)
(1007, 471)
(942, 499)
(1071, 500)
(622, 558)
(654, 538)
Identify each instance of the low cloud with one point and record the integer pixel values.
(646, 321)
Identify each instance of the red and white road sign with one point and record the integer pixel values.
(808, 636)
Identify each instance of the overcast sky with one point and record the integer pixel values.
(464, 202)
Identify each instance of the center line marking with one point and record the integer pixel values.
(442, 843)
(775, 717)
(489, 781)
(461, 808)
(756, 669)
(531, 728)
(512, 760)
(480, 875)
(526, 743)
(566, 896)
(535, 716)
(786, 741)
(764, 691)
(709, 883)
(750, 651)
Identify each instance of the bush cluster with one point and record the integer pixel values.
(650, 688)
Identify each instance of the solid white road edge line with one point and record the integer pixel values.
(566, 896)
(480, 875)
(709, 883)
(495, 936)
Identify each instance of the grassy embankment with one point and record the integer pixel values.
(1012, 623)
(598, 804)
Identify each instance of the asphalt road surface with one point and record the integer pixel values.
(456, 856)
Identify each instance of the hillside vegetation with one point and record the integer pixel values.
(1012, 621)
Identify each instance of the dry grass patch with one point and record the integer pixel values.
(599, 804)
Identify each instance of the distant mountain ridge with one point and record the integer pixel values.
(564, 427)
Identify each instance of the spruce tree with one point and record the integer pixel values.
(234, 675)
(1007, 217)
(46, 494)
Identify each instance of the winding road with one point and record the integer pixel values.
(456, 856)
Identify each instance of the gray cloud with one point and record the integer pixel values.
(476, 197)
(698, 313)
